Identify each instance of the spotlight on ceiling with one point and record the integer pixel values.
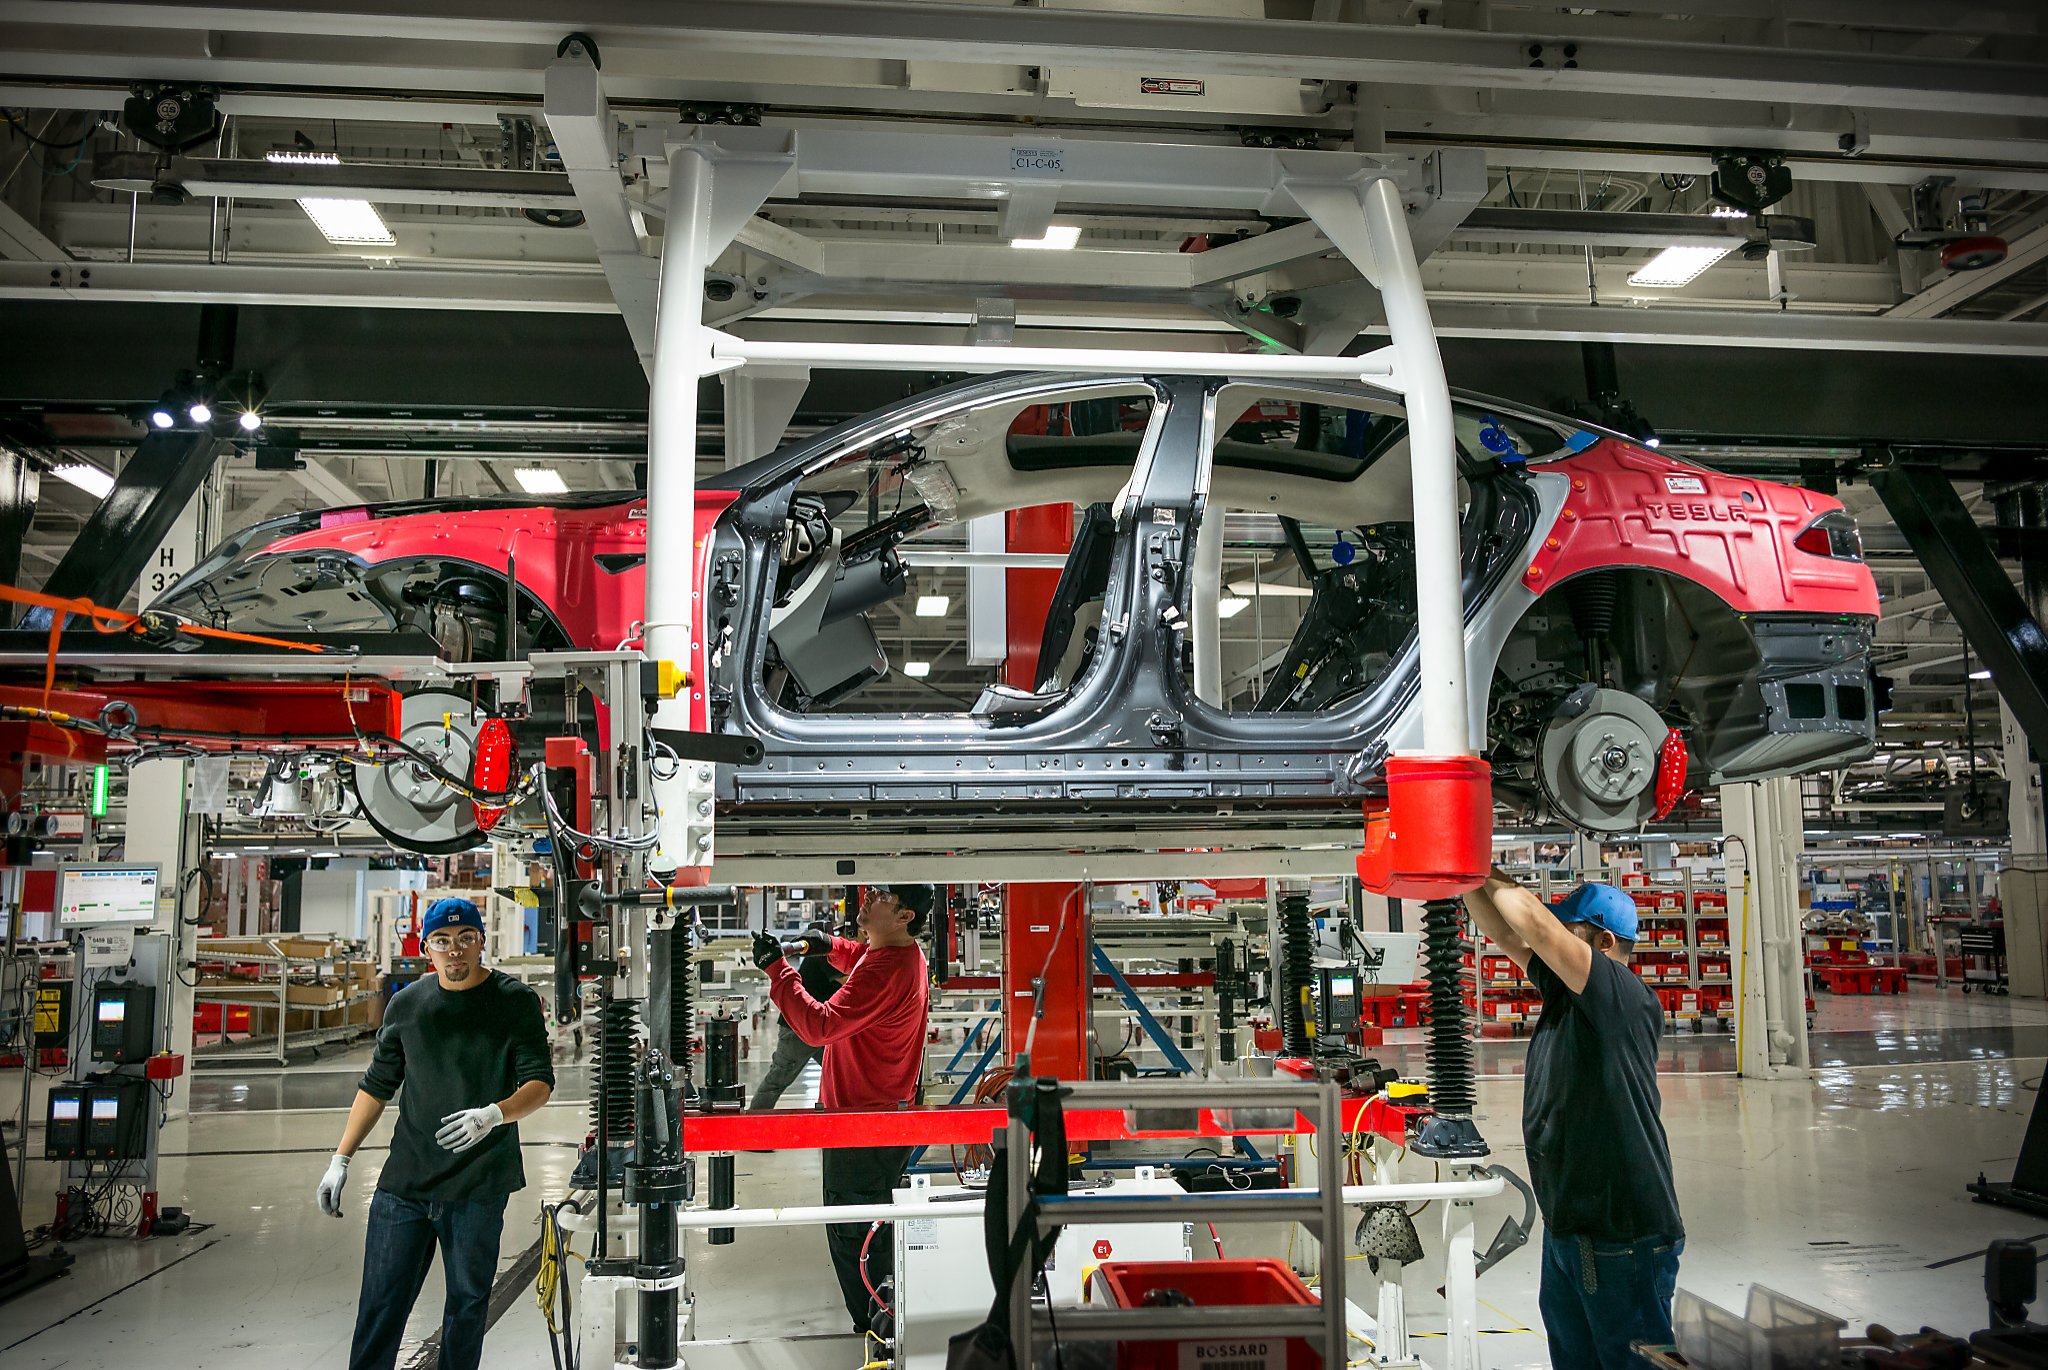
(540, 480)
(90, 479)
(932, 606)
(161, 417)
(917, 670)
(249, 420)
(1980, 675)
(199, 411)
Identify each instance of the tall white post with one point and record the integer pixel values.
(680, 362)
(1762, 823)
(1433, 474)
(159, 833)
(2024, 805)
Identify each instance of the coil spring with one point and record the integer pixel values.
(682, 1011)
(611, 1069)
(1451, 1085)
(1297, 968)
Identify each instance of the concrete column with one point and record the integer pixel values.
(1764, 840)
(2024, 806)
(160, 833)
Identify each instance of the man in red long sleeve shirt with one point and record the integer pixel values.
(873, 1033)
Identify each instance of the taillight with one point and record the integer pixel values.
(1831, 535)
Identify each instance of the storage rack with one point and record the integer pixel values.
(1688, 924)
(276, 996)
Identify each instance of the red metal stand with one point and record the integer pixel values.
(1046, 978)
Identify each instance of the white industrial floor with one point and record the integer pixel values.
(1845, 1191)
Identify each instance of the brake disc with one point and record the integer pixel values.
(407, 802)
(1598, 765)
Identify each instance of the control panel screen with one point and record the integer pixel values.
(64, 1110)
(106, 1110)
(1339, 984)
(107, 894)
(113, 1011)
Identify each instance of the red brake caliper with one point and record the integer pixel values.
(492, 770)
(1671, 763)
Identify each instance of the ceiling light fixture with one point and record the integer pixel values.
(917, 670)
(1058, 238)
(351, 222)
(249, 420)
(88, 478)
(1677, 265)
(1230, 606)
(293, 157)
(1980, 675)
(161, 417)
(541, 480)
(200, 412)
(932, 606)
(1270, 590)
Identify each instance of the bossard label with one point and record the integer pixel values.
(1685, 485)
(1234, 1353)
(1169, 85)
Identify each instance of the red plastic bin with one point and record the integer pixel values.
(1210, 1284)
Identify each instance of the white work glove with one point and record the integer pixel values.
(331, 1185)
(464, 1128)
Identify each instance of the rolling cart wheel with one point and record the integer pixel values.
(1966, 986)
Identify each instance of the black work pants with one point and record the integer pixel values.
(862, 1175)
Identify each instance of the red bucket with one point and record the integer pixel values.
(1207, 1284)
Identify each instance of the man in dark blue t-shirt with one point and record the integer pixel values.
(469, 1046)
(1597, 1152)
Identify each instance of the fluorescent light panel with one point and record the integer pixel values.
(933, 606)
(917, 670)
(1270, 590)
(1677, 265)
(1058, 238)
(540, 480)
(347, 221)
(90, 479)
(1980, 675)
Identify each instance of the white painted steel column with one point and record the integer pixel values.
(680, 363)
(1762, 823)
(1433, 474)
(2023, 806)
(158, 832)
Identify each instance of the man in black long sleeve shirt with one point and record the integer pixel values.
(470, 1048)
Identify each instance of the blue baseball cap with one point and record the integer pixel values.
(450, 913)
(1603, 906)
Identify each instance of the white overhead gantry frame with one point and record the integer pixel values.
(717, 177)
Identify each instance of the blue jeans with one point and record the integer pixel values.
(398, 1248)
(1597, 1297)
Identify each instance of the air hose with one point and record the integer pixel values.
(1453, 1089)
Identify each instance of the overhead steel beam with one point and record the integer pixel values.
(21, 240)
(885, 30)
(20, 483)
(124, 532)
(134, 173)
(587, 137)
(1960, 563)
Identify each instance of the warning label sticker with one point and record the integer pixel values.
(1170, 85)
(1685, 485)
(921, 1234)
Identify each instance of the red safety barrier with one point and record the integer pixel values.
(1433, 838)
